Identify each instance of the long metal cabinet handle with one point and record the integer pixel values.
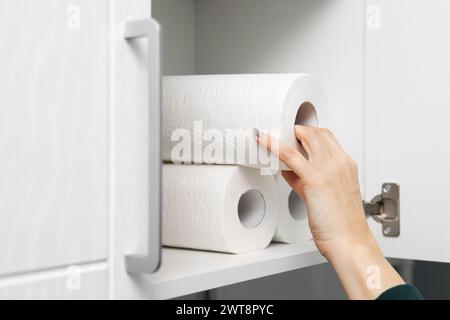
(150, 29)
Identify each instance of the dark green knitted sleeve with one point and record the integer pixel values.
(402, 292)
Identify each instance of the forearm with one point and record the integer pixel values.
(363, 270)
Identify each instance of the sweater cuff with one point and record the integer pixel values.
(401, 292)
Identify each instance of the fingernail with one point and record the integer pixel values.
(255, 132)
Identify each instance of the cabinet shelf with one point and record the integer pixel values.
(185, 272)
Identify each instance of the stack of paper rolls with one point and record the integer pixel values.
(217, 194)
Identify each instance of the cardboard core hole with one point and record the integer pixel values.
(251, 209)
(307, 115)
(297, 207)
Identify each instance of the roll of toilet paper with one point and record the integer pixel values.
(293, 215)
(218, 208)
(209, 119)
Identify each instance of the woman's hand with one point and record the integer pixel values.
(328, 182)
(327, 179)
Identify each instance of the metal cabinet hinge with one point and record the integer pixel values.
(385, 209)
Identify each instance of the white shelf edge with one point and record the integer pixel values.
(185, 272)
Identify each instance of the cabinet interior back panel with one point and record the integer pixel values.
(177, 20)
(53, 132)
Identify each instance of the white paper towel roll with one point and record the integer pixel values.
(293, 215)
(200, 110)
(218, 208)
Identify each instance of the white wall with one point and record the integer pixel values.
(177, 18)
(322, 37)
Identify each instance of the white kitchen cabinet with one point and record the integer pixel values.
(341, 43)
(76, 109)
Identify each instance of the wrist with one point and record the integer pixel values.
(362, 268)
(343, 246)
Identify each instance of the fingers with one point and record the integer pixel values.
(311, 139)
(291, 157)
(320, 144)
(317, 142)
(331, 139)
(300, 135)
(294, 182)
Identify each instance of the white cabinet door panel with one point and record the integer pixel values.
(53, 132)
(71, 283)
(407, 121)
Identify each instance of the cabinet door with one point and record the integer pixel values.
(407, 121)
(53, 133)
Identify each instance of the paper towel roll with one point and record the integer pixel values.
(199, 111)
(293, 215)
(218, 208)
